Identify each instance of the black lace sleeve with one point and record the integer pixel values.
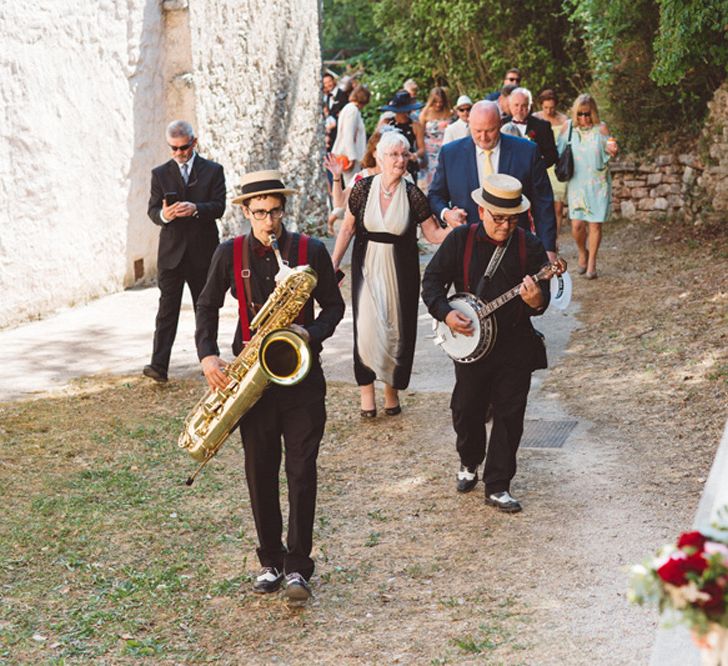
(358, 197)
(419, 206)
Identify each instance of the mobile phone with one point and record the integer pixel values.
(340, 275)
(171, 198)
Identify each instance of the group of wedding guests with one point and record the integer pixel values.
(429, 126)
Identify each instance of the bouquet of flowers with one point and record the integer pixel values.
(689, 582)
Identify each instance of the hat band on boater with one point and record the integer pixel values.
(261, 186)
(499, 201)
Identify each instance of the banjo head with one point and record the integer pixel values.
(463, 348)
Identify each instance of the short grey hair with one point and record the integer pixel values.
(180, 128)
(526, 93)
(391, 139)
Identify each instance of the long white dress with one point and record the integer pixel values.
(378, 313)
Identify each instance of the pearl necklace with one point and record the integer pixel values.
(388, 194)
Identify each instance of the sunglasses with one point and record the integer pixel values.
(174, 149)
(515, 80)
(584, 114)
(464, 108)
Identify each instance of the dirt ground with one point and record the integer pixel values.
(408, 572)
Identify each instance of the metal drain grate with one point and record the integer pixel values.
(546, 434)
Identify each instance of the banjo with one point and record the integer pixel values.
(470, 348)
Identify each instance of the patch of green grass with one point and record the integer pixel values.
(378, 515)
(373, 539)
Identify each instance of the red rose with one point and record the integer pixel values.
(532, 134)
(694, 539)
(715, 606)
(696, 563)
(673, 572)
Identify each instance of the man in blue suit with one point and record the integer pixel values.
(463, 165)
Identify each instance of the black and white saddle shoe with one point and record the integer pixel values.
(297, 588)
(467, 478)
(504, 502)
(269, 580)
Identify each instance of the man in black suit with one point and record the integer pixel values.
(334, 99)
(187, 197)
(529, 127)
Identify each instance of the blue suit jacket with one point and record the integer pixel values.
(457, 176)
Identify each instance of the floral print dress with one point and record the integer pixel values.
(590, 189)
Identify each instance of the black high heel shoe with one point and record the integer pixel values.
(393, 411)
(369, 413)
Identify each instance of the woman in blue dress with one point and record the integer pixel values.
(590, 188)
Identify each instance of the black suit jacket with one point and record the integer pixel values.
(336, 100)
(543, 136)
(196, 237)
(544, 139)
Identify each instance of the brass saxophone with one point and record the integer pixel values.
(274, 353)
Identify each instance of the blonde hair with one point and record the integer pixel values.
(585, 100)
(436, 93)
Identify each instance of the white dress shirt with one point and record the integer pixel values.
(480, 158)
(189, 164)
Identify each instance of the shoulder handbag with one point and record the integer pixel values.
(565, 166)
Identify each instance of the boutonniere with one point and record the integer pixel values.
(531, 135)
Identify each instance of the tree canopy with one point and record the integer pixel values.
(655, 61)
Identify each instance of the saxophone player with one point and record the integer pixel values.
(294, 414)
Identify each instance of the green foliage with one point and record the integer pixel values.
(691, 38)
(465, 45)
(655, 64)
(652, 64)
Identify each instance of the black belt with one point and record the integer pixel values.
(381, 237)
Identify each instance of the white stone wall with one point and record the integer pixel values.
(256, 67)
(70, 116)
(87, 89)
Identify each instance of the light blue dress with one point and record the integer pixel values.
(590, 189)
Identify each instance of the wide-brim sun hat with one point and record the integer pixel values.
(260, 183)
(501, 194)
(402, 102)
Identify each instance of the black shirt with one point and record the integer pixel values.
(446, 268)
(263, 268)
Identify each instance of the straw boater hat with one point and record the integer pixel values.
(260, 183)
(501, 194)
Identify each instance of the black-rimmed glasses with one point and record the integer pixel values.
(260, 214)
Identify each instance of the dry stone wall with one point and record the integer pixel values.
(88, 87)
(654, 188)
(692, 185)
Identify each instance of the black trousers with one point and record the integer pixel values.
(300, 422)
(171, 283)
(501, 380)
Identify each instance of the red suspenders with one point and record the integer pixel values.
(241, 269)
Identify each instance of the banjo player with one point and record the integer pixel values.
(488, 259)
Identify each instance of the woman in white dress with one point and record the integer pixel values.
(351, 136)
(383, 213)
